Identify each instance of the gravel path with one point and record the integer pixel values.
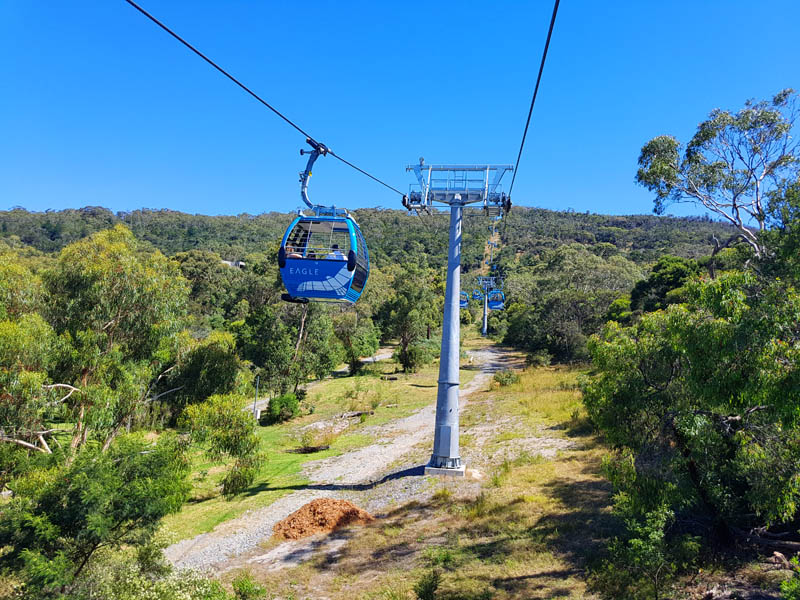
(355, 476)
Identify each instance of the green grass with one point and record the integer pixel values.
(529, 532)
(543, 396)
(279, 475)
(281, 472)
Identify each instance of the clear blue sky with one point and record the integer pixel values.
(100, 107)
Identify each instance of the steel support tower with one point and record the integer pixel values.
(456, 186)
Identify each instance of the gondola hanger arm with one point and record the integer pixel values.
(316, 149)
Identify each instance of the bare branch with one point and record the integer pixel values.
(72, 390)
(157, 396)
(23, 443)
(44, 444)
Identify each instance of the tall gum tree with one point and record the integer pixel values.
(117, 308)
(730, 167)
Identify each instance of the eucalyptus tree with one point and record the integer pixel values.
(358, 337)
(117, 308)
(730, 167)
(783, 236)
(411, 313)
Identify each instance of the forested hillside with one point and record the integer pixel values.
(561, 270)
(393, 235)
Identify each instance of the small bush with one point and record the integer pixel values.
(645, 560)
(506, 377)
(417, 355)
(478, 508)
(503, 470)
(426, 586)
(442, 496)
(312, 438)
(540, 358)
(394, 593)
(241, 476)
(306, 439)
(280, 409)
(246, 589)
(440, 556)
(791, 587)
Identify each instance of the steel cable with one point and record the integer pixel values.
(535, 92)
(253, 94)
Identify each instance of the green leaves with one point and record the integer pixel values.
(126, 298)
(225, 430)
(705, 394)
(20, 289)
(358, 337)
(730, 166)
(266, 341)
(411, 313)
(669, 274)
(564, 298)
(59, 518)
(658, 168)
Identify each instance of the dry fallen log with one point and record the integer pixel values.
(358, 413)
(767, 543)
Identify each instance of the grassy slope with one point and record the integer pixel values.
(282, 470)
(528, 532)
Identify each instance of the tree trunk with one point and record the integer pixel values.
(300, 333)
(76, 437)
(721, 528)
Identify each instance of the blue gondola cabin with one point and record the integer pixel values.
(497, 300)
(323, 258)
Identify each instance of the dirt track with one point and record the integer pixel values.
(356, 475)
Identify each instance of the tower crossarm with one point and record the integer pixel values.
(444, 183)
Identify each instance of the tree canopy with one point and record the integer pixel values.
(731, 165)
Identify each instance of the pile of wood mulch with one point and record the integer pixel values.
(320, 516)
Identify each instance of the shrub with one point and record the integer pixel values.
(644, 560)
(418, 354)
(227, 431)
(540, 358)
(440, 556)
(118, 576)
(281, 408)
(506, 377)
(240, 476)
(246, 589)
(442, 496)
(478, 508)
(426, 586)
(53, 526)
(312, 439)
(791, 587)
(704, 396)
